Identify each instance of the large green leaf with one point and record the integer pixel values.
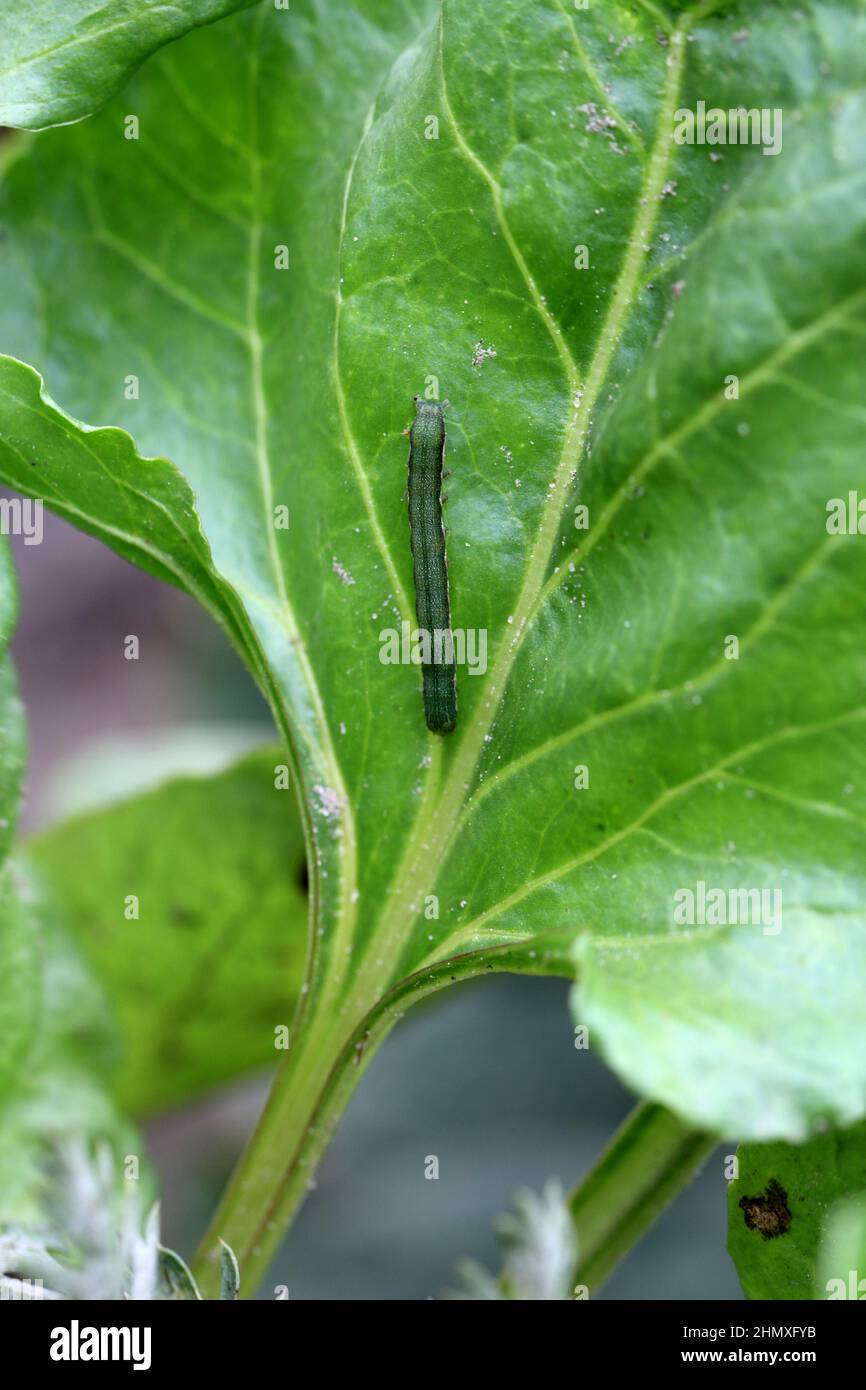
(213, 963)
(413, 257)
(784, 1204)
(59, 62)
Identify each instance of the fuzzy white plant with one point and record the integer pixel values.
(541, 1252)
(97, 1244)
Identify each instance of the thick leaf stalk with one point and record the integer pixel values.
(650, 1159)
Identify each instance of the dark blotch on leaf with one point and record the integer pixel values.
(768, 1213)
(183, 916)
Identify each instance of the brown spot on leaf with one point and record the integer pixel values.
(768, 1213)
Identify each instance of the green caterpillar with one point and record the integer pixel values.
(427, 534)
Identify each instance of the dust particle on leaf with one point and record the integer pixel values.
(342, 573)
(768, 1213)
(480, 354)
(329, 802)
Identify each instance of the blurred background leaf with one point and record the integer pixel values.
(214, 963)
(19, 965)
(59, 1093)
(842, 1256)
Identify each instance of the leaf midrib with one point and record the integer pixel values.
(437, 816)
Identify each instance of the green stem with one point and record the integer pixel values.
(308, 1096)
(650, 1159)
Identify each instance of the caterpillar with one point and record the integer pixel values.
(430, 564)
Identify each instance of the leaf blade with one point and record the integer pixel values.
(60, 65)
(413, 252)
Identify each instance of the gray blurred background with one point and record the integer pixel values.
(486, 1077)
